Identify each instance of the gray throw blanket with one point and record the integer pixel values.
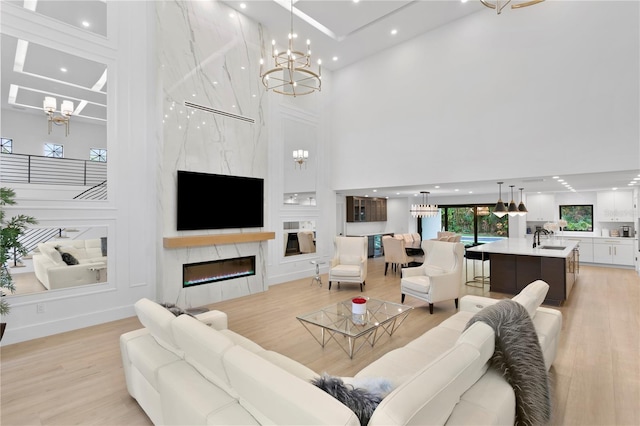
(519, 358)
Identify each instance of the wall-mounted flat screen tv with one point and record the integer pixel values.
(211, 201)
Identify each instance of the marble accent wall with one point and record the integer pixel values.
(208, 54)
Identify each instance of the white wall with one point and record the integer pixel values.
(29, 134)
(129, 215)
(549, 90)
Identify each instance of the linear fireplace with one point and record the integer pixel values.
(217, 270)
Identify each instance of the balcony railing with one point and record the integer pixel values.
(22, 168)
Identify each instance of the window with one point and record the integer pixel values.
(98, 154)
(579, 217)
(53, 150)
(6, 145)
(475, 223)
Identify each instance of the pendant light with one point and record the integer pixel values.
(500, 209)
(522, 210)
(513, 209)
(425, 209)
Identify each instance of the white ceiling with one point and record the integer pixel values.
(342, 28)
(31, 71)
(351, 31)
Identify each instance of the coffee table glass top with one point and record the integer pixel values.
(338, 317)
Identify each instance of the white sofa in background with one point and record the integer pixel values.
(54, 273)
(186, 370)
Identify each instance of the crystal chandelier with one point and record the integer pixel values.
(425, 209)
(498, 5)
(66, 109)
(292, 74)
(300, 156)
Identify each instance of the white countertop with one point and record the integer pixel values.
(524, 247)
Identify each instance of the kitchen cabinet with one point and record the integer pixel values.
(541, 208)
(615, 206)
(613, 251)
(586, 248)
(366, 209)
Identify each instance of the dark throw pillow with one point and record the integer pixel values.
(360, 401)
(67, 257)
(175, 310)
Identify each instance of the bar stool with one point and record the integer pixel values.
(482, 257)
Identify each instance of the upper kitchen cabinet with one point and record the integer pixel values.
(364, 209)
(615, 206)
(541, 207)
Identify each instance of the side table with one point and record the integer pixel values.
(317, 278)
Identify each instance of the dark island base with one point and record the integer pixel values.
(511, 273)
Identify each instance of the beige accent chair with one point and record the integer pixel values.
(305, 242)
(395, 254)
(439, 277)
(349, 263)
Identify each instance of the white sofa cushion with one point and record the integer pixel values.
(186, 399)
(158, 320)
(490, 401)
(148, 358)
(432, 393)
(532, 296)
(52, 254)
(275, 396)
(203, 349)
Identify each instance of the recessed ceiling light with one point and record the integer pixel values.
(335, 58)
(614, 189)
(437, 187)
(470, 192)
(397, 193)
(243, 6)
(215, 82)
(375, 190)
(636, 178)
(456, 190)
(232, 15)
(242, 68)
(560, 180)
(356, 1)
(63, 69)
(394, 32)
(556, 177)
(86, 24)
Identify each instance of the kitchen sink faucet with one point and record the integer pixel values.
(538, 232)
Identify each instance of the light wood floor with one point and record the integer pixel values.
(77, 378)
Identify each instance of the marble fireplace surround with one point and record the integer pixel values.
(181, 250)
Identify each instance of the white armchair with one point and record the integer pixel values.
(439, 277)
(349, 263)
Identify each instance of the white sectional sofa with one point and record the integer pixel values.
(193, 370)
(54, 273)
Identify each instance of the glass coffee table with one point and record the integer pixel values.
(338, 323)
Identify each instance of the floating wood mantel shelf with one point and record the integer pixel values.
(212, 240)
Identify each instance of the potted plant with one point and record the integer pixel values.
(10, 231)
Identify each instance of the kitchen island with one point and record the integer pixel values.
(514, 263)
